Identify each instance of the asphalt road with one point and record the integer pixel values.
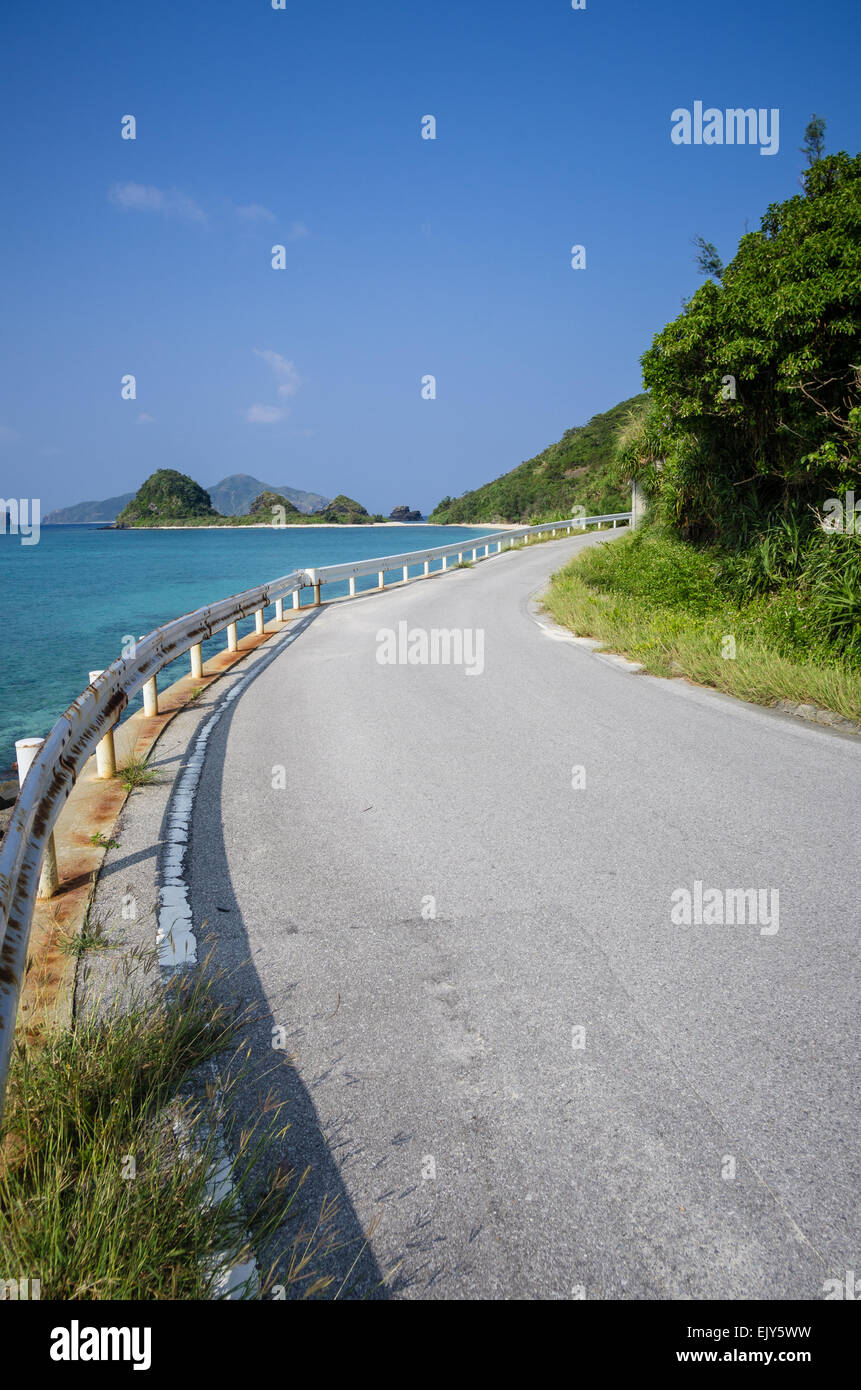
(510, 1064)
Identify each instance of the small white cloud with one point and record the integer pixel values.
(144, 419)
(255, 212)
(286, 375)
(265, 414)
(297, 231)
(140, 197)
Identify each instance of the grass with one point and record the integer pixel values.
(102, 842)
(99, 1198)
(463, 565)
(661, 601)
(136, 773)
(93, 936)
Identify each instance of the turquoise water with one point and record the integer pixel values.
(67, 603)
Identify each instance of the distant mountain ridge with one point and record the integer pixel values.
(108, 510)
(231, 497)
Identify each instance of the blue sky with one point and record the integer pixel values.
(405, 256)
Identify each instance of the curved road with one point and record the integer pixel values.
(512, 1066)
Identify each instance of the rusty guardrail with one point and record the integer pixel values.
(66, 749)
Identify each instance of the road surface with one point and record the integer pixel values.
(510, 1064)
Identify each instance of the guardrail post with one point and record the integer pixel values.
(445, 562)
(406, 574)
(352, 586)
(232, 639)
(474, 553)
(382, 578)
(427, 566)
(258, 622)
(106, 758)
(317, 599)
(279, 610)
(150, 697)
(296, 599)
(49, 877)
(197, 660)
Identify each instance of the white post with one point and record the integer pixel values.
(197, 661)
(382, 580)
(460, 557)
(258, 622)
(474, 553)
(232, 639)
(445, 562)
(106, 758)
(638, 505)
(295, 598)
(427, 566)
(352, 586)
(49, 878)
(406, 574)
(279, 610)
(150, 697)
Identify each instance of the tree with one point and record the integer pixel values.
(813, 148)
(756, 408)
(707, 257)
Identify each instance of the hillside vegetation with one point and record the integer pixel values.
(580, 470)
(167, 496)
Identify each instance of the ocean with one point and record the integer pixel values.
(67, 603)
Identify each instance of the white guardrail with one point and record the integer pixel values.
(502, 540)
(49, 767)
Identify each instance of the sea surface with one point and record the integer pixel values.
(67, 603)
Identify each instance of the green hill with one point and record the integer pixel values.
(578, 470)
(262, 506)
(345, 511)
(166, 496)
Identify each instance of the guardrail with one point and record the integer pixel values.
(502, 540)
(27, 846)
(49, 767)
